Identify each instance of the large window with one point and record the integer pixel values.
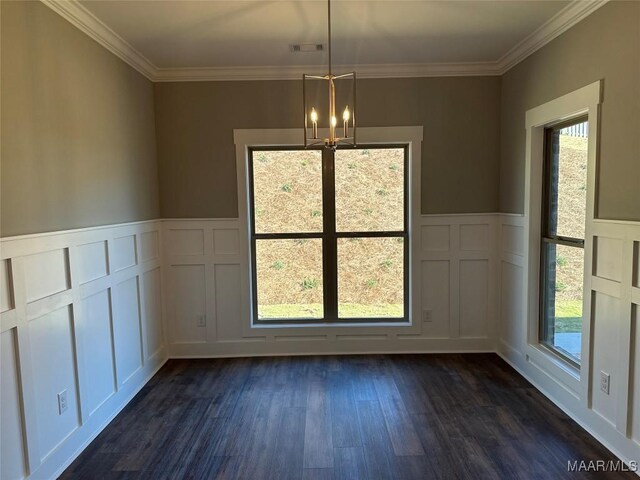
(563, 233)
(329, 234)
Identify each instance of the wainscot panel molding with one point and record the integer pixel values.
(208, 303)
(94, 313)
(612, 347)
(82, 332)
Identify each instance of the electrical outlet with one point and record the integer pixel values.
(604, 382)
(62, 402)
(202, 321)
(427, 315)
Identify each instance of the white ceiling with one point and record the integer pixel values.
(187, 40)
(186, 34)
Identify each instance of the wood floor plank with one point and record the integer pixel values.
(436, 442)
(90, 464)
(345, 431)
(229, 469)
(364, 417)
(318, 437)
(240, 421)
(288, 456)
(205, 463)
(378, 449)
(350, 464)
(399, 424)
(413, 468)
(258, 452)
(179, 440)
(317, 474)
(363, 371)
(473, 460)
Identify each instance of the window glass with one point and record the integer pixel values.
(308, 268)
(287, 191)
(562, 248)
(569, 182)
(370, 190)
(564, 271)
(289, 278)
(371, 277)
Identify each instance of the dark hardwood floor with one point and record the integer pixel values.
(359, 417)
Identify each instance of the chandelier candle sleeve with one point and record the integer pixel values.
(314, 123)
(345, 117)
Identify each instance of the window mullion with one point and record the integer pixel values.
(563, 241)
(330, 248)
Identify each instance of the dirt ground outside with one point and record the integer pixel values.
(571, 218)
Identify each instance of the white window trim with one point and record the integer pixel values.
(584, 101)
(412, 136)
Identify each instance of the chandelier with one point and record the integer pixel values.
(346, 132)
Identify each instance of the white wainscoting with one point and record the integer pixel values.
(81, 313)
(89, 311)
(208, 307)
(614, 343)
(512, 330)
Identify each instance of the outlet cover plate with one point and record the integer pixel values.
(62, 402)
(604, 382)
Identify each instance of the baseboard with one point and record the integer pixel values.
(294, 347)
(111, 417)
(326, 354)
(568, 411)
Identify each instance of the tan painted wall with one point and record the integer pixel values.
(78, 135)
(79, 143)
(195, 122)
(606, 45)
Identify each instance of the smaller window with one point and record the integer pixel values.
(563, 231)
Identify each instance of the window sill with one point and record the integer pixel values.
(365, 323)
(560, 370)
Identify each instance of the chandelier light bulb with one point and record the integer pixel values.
(314, 115)
(334, 121)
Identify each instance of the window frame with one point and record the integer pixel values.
(545, 365)
(329, 236)
(547, 238)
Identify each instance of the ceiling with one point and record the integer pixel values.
(175, 37)
(178, 34)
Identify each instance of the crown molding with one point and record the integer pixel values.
(566, 18)
(294, 72)
(84, 20)
(87, 22)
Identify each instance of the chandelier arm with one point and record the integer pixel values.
(344, 75)
(313, 144)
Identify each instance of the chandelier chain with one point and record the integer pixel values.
(329, 28)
